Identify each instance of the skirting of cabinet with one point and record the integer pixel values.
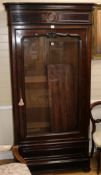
(63, 166)
(56, 156)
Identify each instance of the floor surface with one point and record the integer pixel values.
(92, 172)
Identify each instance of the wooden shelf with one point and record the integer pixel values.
(35, 79)
(34, 127)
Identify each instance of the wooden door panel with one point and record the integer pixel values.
(61, 97)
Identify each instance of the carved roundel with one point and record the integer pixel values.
(52, 17)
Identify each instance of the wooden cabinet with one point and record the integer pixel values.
(50, 54)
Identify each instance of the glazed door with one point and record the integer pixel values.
(49, 66)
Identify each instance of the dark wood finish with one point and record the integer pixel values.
(51, 118)
(60, 86)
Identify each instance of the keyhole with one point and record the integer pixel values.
(52, 43)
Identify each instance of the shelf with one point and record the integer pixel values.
(37, 127)
(32, 125)
(35, 79)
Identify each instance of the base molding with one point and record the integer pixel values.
(75, 164)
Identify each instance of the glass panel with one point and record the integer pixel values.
(36, 88)
(40, 55)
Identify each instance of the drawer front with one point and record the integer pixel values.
(55, 151)
(51, 17)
